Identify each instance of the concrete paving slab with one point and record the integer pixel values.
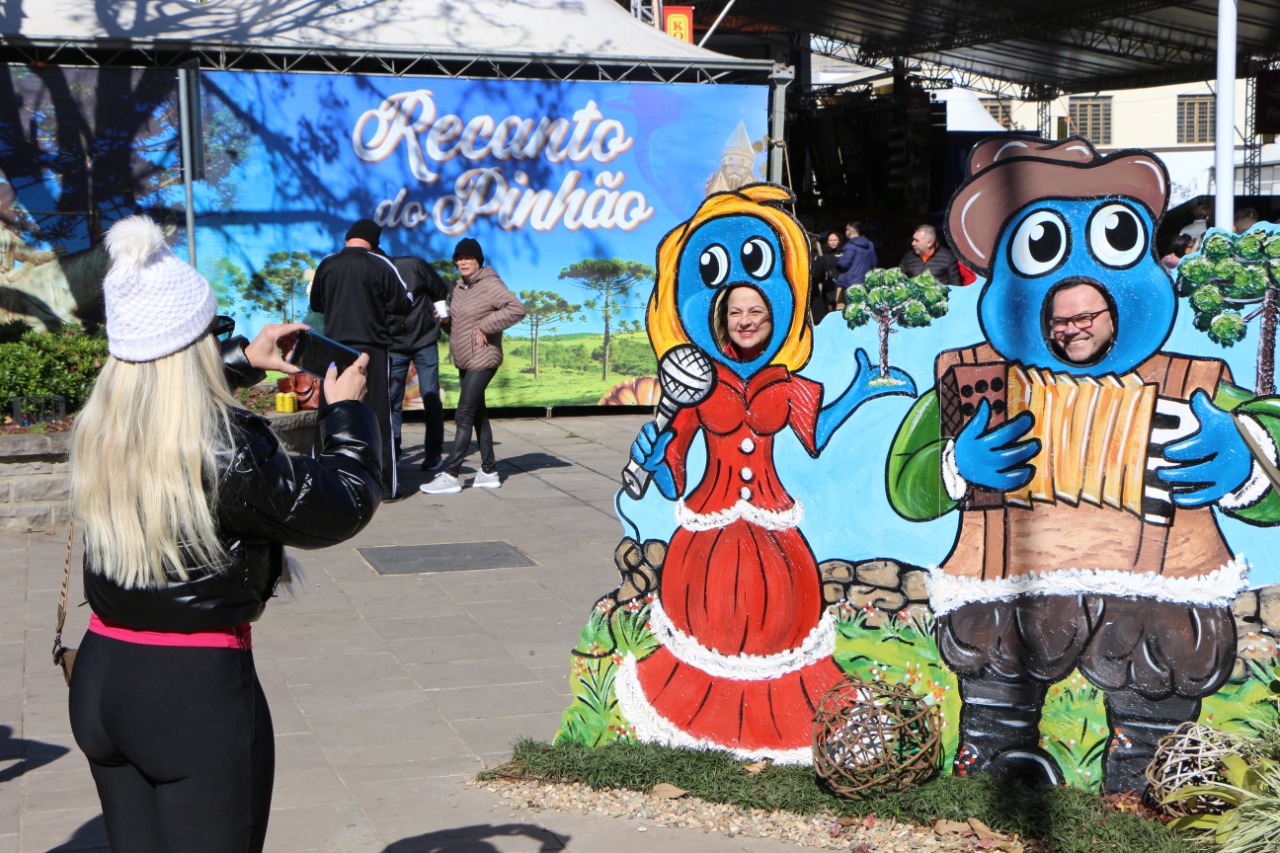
(476, 673)
(489, 702)
(431, 626)
(329, 828)
(331, 669)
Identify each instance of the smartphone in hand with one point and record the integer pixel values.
(313, 353)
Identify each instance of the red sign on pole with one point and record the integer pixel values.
(1267, 119)
(677, 22)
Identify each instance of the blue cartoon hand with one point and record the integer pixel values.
(996, 459)
(649, 451)
(867, 384)
(898, 381)
(1214, 462)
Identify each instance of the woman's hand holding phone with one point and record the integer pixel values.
(350, 384)
(269, 349)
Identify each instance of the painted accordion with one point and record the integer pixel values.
(1102, 438)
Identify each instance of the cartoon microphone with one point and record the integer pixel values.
(687, 377)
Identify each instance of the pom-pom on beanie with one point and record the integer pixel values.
(156, 303)
(366, 230)
(469, 248)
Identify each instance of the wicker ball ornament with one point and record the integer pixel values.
(869, 736)
(1189, 755)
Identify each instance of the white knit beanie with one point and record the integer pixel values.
(156, 303)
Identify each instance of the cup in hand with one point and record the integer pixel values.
(442, 309)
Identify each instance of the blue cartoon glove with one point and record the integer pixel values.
(867, 384)
(649, 451)
(1213, 463)
(996, 459)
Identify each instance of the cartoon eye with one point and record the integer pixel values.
(757, 257)
(1116, 235)
(1039, 244)
(714, 265)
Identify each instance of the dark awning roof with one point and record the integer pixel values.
(1082, 46)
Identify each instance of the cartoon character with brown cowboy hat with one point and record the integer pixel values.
(1084, 462)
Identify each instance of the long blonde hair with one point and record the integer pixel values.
(144, 466)
(765, 202)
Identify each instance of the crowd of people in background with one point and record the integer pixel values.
(843, 256)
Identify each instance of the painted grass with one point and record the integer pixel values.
(515, 384)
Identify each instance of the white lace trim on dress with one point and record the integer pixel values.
(819, 645)
(769, 519)
(652, 727)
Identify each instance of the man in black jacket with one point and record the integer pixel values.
(358, 290)
(926, 254)
(414, 340)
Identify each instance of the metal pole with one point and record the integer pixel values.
(780, 78)
(1224, 167)
(716, 23)
(185, 131)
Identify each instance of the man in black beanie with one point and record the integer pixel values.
(358, 290)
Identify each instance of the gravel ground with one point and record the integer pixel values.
(823, 831)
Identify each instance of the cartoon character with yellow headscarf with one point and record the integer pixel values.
(745, 642)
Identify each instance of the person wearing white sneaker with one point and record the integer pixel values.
(486, 480)
(443, 483)
(480, 309)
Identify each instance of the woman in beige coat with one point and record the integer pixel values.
(481, 307)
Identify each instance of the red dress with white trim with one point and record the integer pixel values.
(745, 648)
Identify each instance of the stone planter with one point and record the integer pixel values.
(35, 481)
(35, 477)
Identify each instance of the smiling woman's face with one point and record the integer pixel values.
(749, 323)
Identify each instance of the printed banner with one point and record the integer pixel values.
(567, 186)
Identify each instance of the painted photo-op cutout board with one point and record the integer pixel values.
(1035, 542)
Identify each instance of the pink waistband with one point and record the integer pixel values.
(236, 637)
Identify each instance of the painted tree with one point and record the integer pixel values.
(889, 297)
(229, 282)
(1227, 274)
(447, 271)
(542, 309)
(276, 286)
(613, 280)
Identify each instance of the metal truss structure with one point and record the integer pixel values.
(502, 66)
(1001, 46)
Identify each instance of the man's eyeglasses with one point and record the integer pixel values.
(1080, 321)
(222, 327)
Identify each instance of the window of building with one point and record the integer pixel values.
(1091, 118)
(1196, 117)
(1000, 111)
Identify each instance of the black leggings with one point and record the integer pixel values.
(180, 744)
(472, 414)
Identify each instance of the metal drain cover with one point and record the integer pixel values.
(449, 557)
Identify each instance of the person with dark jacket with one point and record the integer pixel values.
(480, 309)
(824, 293)
(856, 259)
(414, 337)
(187, 501)
(926, 254)
(358, 291)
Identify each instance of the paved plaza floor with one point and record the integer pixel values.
(388, 691)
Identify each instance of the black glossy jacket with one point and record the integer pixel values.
(268, 499)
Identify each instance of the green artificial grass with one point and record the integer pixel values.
(1063, 819)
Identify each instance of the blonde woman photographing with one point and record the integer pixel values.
(186, 500)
